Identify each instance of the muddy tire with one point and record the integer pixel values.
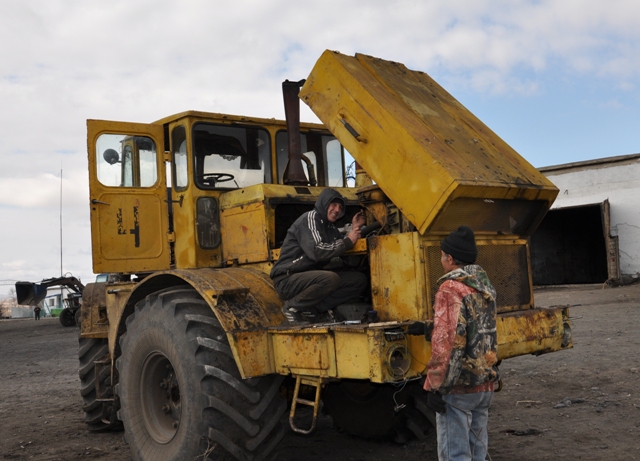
(98, 415)
(180, 391)
(78, 318)
(67, 317)
(378, 410)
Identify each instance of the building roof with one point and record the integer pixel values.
(597, 163)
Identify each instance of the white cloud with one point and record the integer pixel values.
(70, 60)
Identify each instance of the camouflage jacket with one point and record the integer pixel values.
(463, 342)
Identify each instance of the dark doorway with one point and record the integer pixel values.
(569, 247)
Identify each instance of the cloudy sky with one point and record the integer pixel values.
(557, 79)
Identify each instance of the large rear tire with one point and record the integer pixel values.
(98, 415)
(371, 410)
(181, 394)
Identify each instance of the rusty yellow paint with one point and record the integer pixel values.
(188, 251)
(531, 331)
(414, 139)
(310, 352)
(253, 352)
(127, 222)
(117, 296)
(94, 319)
(420, 354)
(241, 298)
(102, 308)
(244, 233)
(398, 278)
(363, 351)
(352, 355)
(343, 352)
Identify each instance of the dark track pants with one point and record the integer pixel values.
(320, 290)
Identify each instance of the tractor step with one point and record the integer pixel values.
(317, 382)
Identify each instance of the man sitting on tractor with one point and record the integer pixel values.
(309, 290)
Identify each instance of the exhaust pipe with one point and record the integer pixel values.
(294, 171)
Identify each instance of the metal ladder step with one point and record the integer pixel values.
(316, 381)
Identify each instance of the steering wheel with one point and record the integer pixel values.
(210, 179)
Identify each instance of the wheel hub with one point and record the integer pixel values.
(160, 397)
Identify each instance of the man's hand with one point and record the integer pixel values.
(421, 328)
(356, 223)
(354, 234)
(358, 220)
(435, 402)
(416, 329)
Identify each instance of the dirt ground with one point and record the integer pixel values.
(582, 403)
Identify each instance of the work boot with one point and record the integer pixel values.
(296, 317)
(329, 317)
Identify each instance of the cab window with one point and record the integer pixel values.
(179, 149)
(230, 156)
(324, 158)
(126, 161)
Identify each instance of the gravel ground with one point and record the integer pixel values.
(582, 403)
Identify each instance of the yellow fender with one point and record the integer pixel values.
(243, 300)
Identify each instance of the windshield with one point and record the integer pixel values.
(230, 156)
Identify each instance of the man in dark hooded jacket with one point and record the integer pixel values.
(311, 243)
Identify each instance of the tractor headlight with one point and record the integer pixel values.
(398, 360)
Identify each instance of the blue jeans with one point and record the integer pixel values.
(462, 430)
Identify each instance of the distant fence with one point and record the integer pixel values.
(21, 312)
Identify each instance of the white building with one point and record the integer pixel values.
(592, 233)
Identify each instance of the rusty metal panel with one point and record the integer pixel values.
(94, 322)
(308, 351)
(252, 351)
(534, 331)
(346, 351)
(398, 276)
(420, 145)
(242, 298)
(420, 354)
(129, 225)
(116, 298)
(244, 233)
(353, 359)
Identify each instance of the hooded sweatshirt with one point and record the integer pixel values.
(463, 342)
(312, 241)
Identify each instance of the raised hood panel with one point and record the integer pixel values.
(431, 156)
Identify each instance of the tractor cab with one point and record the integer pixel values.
(157, 190)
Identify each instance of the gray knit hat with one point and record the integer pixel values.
(461, 244)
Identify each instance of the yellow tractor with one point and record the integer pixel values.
(185, 344)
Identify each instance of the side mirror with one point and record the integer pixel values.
(111, 156)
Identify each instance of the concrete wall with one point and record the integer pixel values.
(616, 179)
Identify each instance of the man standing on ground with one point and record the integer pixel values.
(36, 311)
(462, 369)
(311, 243)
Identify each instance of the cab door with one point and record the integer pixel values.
(128, 194)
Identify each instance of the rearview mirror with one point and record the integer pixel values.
(111, 156)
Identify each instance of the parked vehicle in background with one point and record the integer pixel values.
(32, 294)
